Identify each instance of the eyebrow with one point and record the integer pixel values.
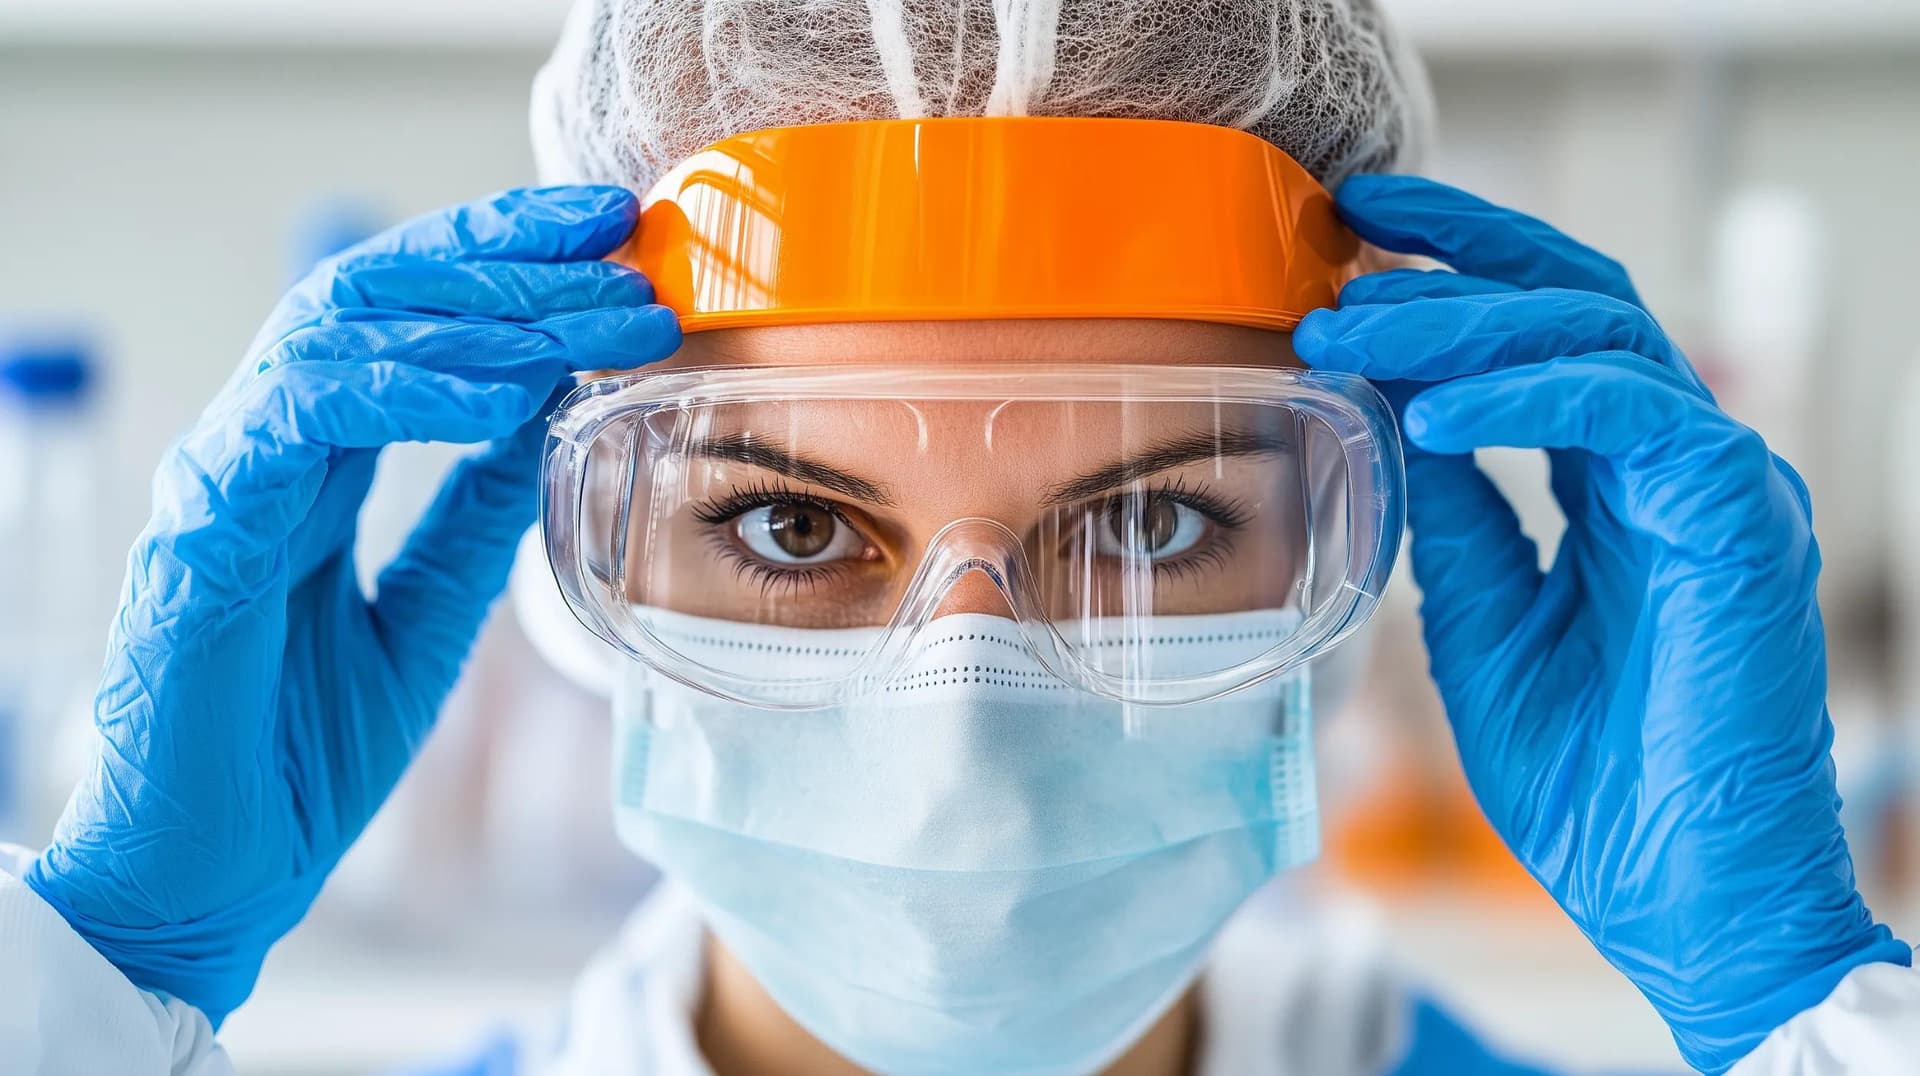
(754, 452)
(1163, 455)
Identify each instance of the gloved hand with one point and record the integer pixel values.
(257, 707)
(1645, 723)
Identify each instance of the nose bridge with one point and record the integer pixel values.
(972, 565)
(976, 589)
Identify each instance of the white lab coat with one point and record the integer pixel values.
(1278, 1001)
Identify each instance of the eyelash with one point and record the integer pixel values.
(717, 512)
(760, 494)
(1227, 515)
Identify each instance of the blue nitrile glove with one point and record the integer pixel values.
(256, 706)
(1645, 724)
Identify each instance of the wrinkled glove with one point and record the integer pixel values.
(257, 707)
(1645, 723)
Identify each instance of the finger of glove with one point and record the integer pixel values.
(1478, 572)
(561, 224)
(432, 600)
(1407, 285)
(1692, 479)
(1411, 215)
(536, 356)
(1799, 484)
(334, 516)
(1441, 339)
(500, 291)
(1481, 592)
(545, 224)
(234, 490)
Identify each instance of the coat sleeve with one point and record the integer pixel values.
(1869, 1024)
(65, 1009)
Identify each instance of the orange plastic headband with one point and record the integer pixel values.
(912, 220)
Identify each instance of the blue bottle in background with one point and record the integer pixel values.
(50, 578)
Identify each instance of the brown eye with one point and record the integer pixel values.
(1145, 527)
(1153, 527)
(798, 533)
(802, 531)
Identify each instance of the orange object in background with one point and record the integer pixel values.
(988, 218)
(1420, 830)
(1400, 821)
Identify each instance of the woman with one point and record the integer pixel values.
(1026, 868)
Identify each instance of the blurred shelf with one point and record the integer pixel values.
(1509, 27)
(450, 24)
(1525, 979)
(1574, 26)
(340, 996)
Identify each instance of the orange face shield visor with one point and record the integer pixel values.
(977, 219)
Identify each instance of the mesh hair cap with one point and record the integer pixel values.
(637, 86)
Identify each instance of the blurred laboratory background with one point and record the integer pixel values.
(166, 169)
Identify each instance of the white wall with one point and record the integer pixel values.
(150, 195)
(1849, 133)
(1633, 152)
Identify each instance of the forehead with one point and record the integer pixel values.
(944, 447)
(952, 453)
(921, 451)
(1064, 340)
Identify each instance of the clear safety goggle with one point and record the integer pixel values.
(781, 536)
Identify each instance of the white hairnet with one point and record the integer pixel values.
(636, 86)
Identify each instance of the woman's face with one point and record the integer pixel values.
(816, 514)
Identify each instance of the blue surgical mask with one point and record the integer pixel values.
(978, 868)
